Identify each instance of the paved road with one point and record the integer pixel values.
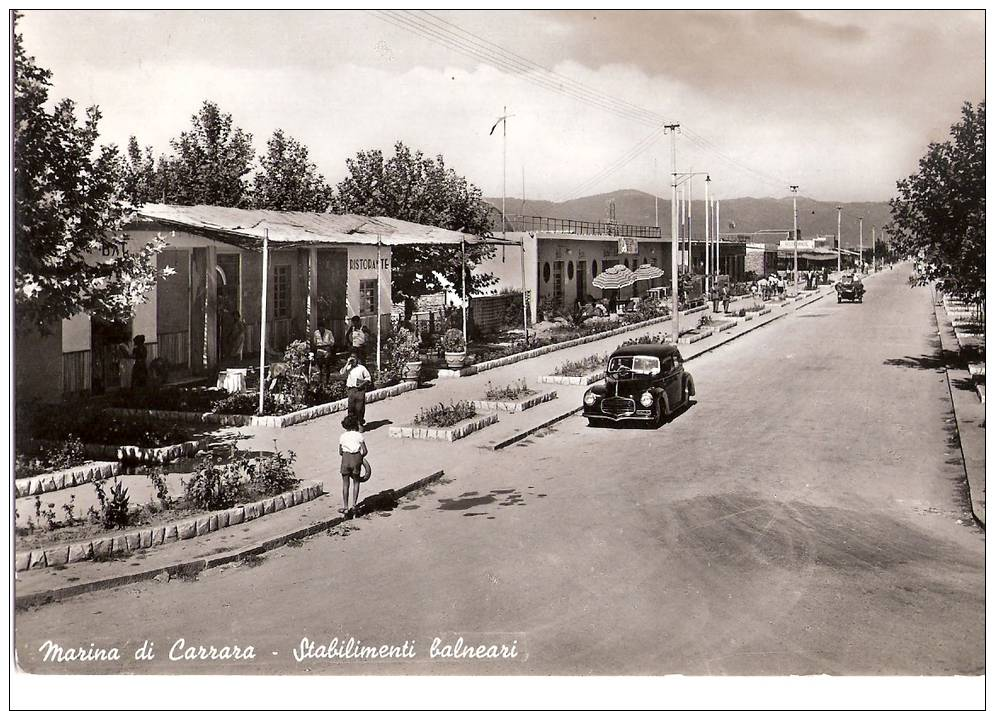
(807, 515)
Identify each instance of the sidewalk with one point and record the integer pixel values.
(397, 463)
(969, 412)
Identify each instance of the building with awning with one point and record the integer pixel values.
(210, 276)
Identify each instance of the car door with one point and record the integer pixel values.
(671, 380)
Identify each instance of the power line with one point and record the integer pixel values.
(454, 37)
(626, 158)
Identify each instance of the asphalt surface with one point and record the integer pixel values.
(807, 515)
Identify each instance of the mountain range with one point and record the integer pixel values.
(739, 215)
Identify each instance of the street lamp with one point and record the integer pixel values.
(794, 200)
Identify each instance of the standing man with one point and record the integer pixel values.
(357, 337)
(726, 298)
(324, 344)
(357, 380)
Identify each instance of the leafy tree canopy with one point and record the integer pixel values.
(410, 186)
(288, 179)
(938, 216)
(69, 254)
(210, 162)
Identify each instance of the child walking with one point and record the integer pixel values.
(353, 450)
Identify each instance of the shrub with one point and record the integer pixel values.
(573, 368)
(114, 512)
(216, 486)
(274, 474)
(68, 454)
(443, 415)
(512, 391)
(453, 341)
(704, 320)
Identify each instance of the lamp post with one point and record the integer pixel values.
(794, 200)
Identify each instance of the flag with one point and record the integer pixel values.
(495, 125)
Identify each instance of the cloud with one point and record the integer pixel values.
(840, 103)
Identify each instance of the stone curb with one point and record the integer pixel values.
(184, 529)
(447, 434)
(65, 478)
(572, 379)
(212, 561)
(693, 338)
(536, 352)
(515, 405)
(719, 328)
(291, 418)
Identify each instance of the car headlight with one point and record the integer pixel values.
(647, 399)
(590, 398)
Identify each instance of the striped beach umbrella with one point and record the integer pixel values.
(648, 271)
(615, 277)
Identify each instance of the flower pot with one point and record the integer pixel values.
(412, 370)
(456, 359)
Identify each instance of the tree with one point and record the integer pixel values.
(141, 184)
(69, 255)
(210, 164)
(289, 180)
(409, 186)
(938, 216)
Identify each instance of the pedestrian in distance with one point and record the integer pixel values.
(352, 449)
(357, 337)
(139, 371)
(324, 345)
(357, 380)
(726, 298)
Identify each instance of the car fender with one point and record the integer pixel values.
(664, 400)
(690, 384)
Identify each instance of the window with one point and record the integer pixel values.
(545, 273)
(641, 365)
(594, 267)
(558, 282)
(281, 291)
(367, 297)
(570, 270)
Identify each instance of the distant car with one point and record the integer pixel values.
(849, 288)
(643, 382)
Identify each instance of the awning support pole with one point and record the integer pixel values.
(379, 286)
(525, 291)
(262, 322)
(463, 282)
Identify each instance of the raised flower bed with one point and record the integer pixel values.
(216, 496)
(447, 422)
(693, 336)
(515, 397)
(578, 372)
(716, 326)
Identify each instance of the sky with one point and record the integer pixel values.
(841, 103)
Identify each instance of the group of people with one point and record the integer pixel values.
(768, 287)
(723, 294)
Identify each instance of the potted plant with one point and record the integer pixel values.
(454, 346)
(405, 353)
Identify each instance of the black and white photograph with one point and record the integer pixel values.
(589, 349)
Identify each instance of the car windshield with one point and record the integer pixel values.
(641, 365)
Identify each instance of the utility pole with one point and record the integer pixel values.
(860, 220)
(718, 239)
(794, 191)
(708, 179)
(689, 261)
(682, 229)
(673, 127)
(839, 242)
(874, 249)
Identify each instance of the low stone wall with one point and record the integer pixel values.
(536, 352)
(65, 478)
(136, 454)
(449, 434)
(158, 535)
(689, 338)
(287, 420)
(515, 405)
(717, 328)
(573, 379)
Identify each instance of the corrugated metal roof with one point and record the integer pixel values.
(247, 227)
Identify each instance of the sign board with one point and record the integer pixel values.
(628, 245)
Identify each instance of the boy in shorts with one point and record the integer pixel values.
(352, 448)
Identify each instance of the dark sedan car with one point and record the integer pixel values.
(643, 382)
(849, 288)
